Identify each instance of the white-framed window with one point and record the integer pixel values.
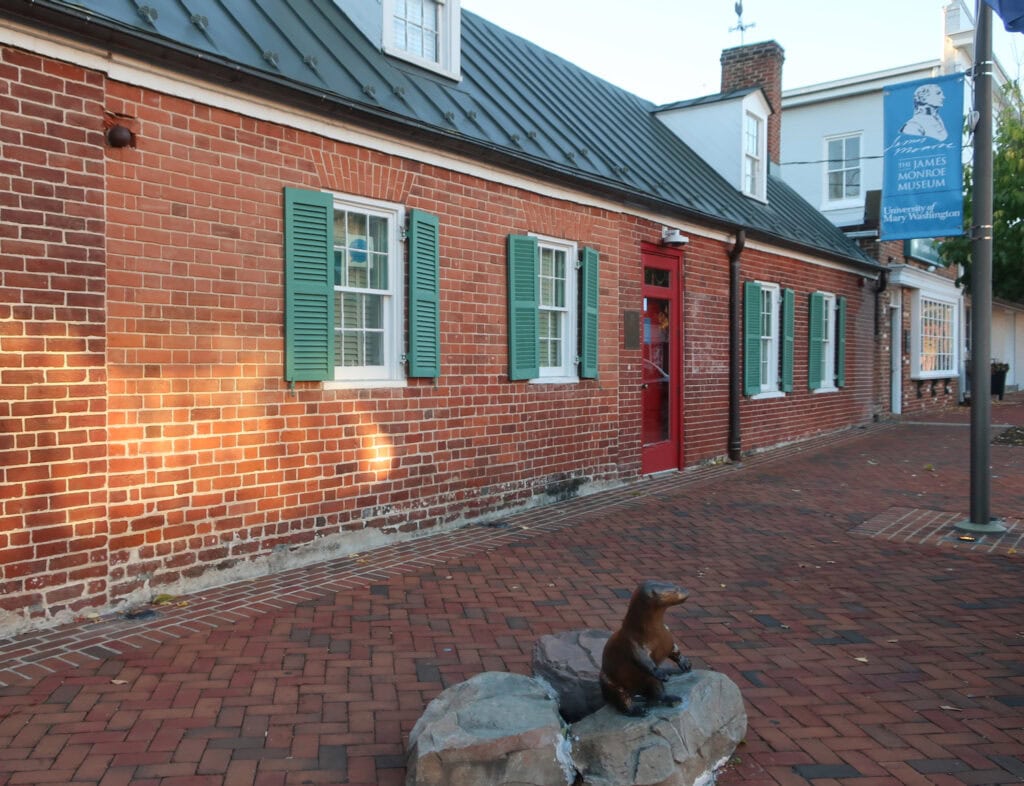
(768, 321)
(769, 338)
(754, 154)
(367, 291)
(344, 279)
(822, 342)
(553, 301)
(415, 27)
(843, 168)
(934, 339)
(556, 317)
(425, 32)
(935, 319)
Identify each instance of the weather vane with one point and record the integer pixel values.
(738, 7)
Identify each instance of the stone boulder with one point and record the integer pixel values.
(494, 729)
(671, 746)
(570, 662)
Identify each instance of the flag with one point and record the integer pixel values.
(1011, 12)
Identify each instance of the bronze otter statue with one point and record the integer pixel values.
(630, 664)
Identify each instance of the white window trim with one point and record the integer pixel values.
(760, 159)
(846, 202)
(828, 345)
(916, 337)
(392, 372)
(771, 388)
(568, 371)
(932, 287)
(449, 34)
(341, 384)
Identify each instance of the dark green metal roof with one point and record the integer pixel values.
(516, 103)
(714, 98)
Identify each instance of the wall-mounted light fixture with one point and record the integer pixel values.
(673, 238)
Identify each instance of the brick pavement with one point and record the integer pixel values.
(863, 658)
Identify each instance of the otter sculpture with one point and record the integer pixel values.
(630, 667)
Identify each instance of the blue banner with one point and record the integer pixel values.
(922, 182)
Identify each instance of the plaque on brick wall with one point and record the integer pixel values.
(631, 329)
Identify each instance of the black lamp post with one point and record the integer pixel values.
(981, 520)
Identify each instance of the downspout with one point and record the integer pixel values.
(881, 317)
(735, 315)
(880, 286)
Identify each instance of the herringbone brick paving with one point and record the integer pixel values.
(862, 659)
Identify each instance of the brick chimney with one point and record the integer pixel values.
(758, 65)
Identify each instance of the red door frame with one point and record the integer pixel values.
(669, 454)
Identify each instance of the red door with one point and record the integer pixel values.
(660, 395)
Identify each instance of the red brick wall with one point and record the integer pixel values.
(916, 399)
(705, 350)
(213, 460)
(149, 440)
(52, 336)
(770, 421)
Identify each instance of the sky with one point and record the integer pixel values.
(668, 50)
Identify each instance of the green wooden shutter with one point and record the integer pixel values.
(815, 357)
(841, 343)
(751, 338)
(788, 323)
(588, 311)
(523, 304)
(424, 295)
(308, 285)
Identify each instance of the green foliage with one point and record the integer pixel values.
(1007, 204)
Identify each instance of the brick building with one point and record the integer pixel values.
(276, 292)
(832, 155)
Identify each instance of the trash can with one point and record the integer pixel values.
(999, 379)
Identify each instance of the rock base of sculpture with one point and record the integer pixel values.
(500, 729)
(670, 746)
(494, 728)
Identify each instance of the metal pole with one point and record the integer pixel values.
(981, 286)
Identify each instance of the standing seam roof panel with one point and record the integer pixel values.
(574, 111)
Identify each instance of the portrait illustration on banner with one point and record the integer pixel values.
(927, 117)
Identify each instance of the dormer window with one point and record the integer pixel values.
(730, 132)
(415, 27)
(424, 32)
(753, 156)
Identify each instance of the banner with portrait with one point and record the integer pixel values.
(922, 180)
